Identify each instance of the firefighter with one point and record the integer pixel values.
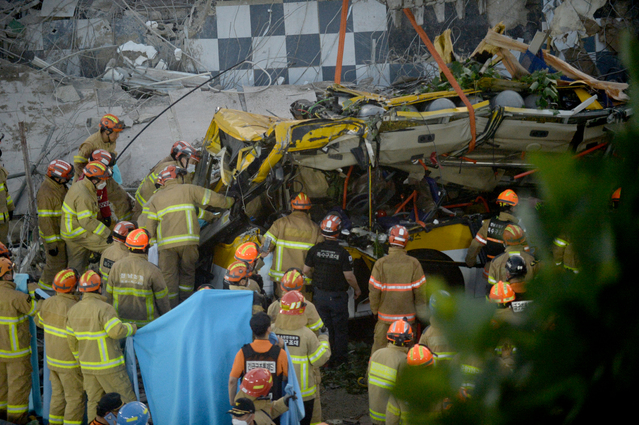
(291, 238)
(67, 394)
(394, 286)
(117, 250)
(333, 274)
(49, 201)
(260, 353)
(136, 287)
(107, 159)
(237, 278)
(249, 253)
(105, 138)
(503, 295)
(515, 245)
(306, 349)
(15, 346)
(172, 218)
(243, 412)
(133, 413)
(293, 280)
(93, 333)
(564, 254)
(4, 252)
(80, 229)
(107, 410)
(256, 385)
(6, 205)
(384, 366)
(490, 234)
(397, 411)
(433, 336)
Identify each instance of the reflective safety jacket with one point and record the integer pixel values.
(137, 290)
(564, 253)
(313, 320)
(394, 286)
(52, 317)
(292, 236)
(258, 299)
(306, 350)
(396, 411)
(15, 307)
(171, 216)
(147, 185)
(93, 142)
(49, 201)
(94, 333)
(6, 203)
(434, 338)
(490, 235)
(497, 271)
(115, 252)
(382, 374)
(80, 211)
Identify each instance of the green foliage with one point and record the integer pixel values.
(345, 375)
(545, 85)
(577, 346)
(466, 74)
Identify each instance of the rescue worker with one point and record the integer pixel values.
(6, 205)
(397, 411)
(564, 253)
(107, 159)
(49, 203)
(433, 336)
(117, 250)
(15, 346)
(490, 233)
(172, 218)
(80, 229)
(395, 286)
(383, 367)
(67, 394)
(249, 253)
(333, 274)
(136, 287)
(503, 295)
(4, 252)
(133, 413)
(293, 280)
(108, 408)
(291, 238)
(256, 385)
(105, 138)
(260, 353)
(517, 275)
(515, 245)
(306, 349)
(616, 198)
(93, 333)
(237, 278)
(243, 411)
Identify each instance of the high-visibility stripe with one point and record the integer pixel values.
(67, 364)
(50, 213)
(54, 419)
(80, 158)
(393, 409)
(379, 382)
(72, 422)
(100, 229)
(102, 365)
(397, 287)
(13, 354)
(316, 326)
(394, 317)
(560, 242)
(323, 348)
(44, 285)
(302, 361)
(377, 415)
(175, 208)
(481, 240)
(17, 408)
(4, 320)
(383, 371)
(207, 196)
(179, 238)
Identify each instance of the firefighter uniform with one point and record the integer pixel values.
(382, 373)
(116, 251)
(491, 236)
(434, 338)
(171, 218)
(497, 271)
(80, 229)
(15, 352)
(6, 205)
(313, 320)
(117, 196)
(67, 394)
(137, 290)
(564, 253)
(49, 201)
(396, 411)
(258, 299)
(94, 333)
(265, 410)
(292, 237)
(395, 291)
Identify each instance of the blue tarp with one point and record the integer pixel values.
(186, 355)
(117, 176)
(295, 408)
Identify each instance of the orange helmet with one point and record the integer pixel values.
(236, 272)
(4, 251)
(508, 197)
(293, 280)
(257, 382)
(6, 266)
(111, 123)
(400, 332)
(248, 252)
(60, 169)
(66, 280)
(89, 282)
(398, 236)
(514, 235)
(97, 170)
(138, 240)
(293, 304)
(419, 355)
(179, 145)
(331, 225)
(616, 197)
(169, 172)
(502, 293)
(103, 156)
(187, 152)
(122, 230)
(301, 202)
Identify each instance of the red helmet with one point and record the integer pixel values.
(257, 382)
(331, 225)
(502, 293)
(301, 202)
(4, 251)
(508, 197)
(170, 172)
(420, 355)
(180, 144)
(103, 156)
(187, 152)
(97, 170)
(122, 230)
(138, 240)
(398, 236)
(66, 280)
(400, 332)
(293, 304)
(293, 280)
(248, 252)
(90, 282)
(111, 123)
(236, 272)
(60, 169)
(514, 235)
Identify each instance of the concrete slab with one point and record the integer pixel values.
(276, 100)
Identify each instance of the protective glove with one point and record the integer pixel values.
(10, 215)
(236, 209)
(288, 397)
(53, 252)
(109, 239)
(107, 221)
(323, 331)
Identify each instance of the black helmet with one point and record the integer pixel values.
(516, 266)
